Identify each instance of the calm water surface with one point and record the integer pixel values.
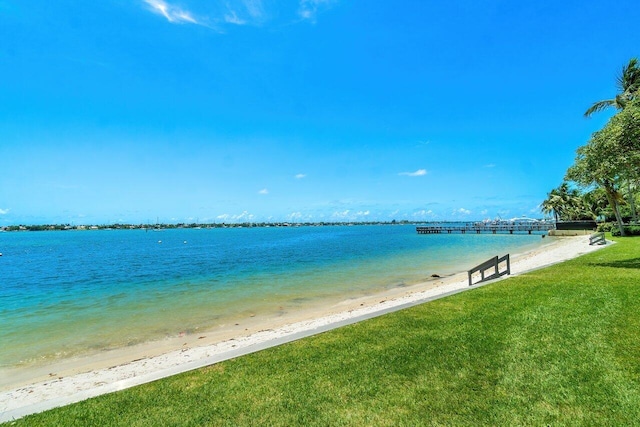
(63, 293)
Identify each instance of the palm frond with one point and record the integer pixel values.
(629, 78)
(599, 106)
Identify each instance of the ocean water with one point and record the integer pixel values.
(64, 293)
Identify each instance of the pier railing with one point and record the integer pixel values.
(597, 239)
(486, 228)
(492, 264)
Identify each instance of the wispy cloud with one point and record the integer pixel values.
(4, 211)
(263, 191)
(215, 15)
(300, 176)
(173, 14)
(231, 17)
(309, 9)
(419, 172)
(490, 165)
(245, 12)
(254, 8)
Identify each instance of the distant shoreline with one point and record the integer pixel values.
(195, 225)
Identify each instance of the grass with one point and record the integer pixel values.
(557, 346)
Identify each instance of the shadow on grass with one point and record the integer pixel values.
(623, 263)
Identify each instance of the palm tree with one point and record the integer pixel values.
(552, 204)
(564, 202)
(628, 84)
(595, 202)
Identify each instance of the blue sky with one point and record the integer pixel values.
(298, 110)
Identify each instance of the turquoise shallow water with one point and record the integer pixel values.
(63, 293)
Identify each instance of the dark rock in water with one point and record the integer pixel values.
(435, 275)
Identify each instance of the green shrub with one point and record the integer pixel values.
(606, 226)
(629, 230)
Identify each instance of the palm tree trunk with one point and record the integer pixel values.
(613, 201)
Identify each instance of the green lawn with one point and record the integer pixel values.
(557, 346)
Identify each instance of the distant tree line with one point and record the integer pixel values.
(60, 227)
(604, 180)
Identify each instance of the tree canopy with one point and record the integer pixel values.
(611, 158)
(610, 161)
(565, 203)
(628, 84)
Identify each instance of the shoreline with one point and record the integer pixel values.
(31, 390)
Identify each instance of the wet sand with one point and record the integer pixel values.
(30, 390)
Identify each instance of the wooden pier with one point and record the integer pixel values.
(479, 228)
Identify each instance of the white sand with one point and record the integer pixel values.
(75, 380)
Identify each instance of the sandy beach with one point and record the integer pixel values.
(26, 391)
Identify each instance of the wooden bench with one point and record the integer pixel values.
(493, 263)
(597, 239)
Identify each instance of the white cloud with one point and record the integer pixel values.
(254, 8)
(342, 214)
(484, 212)
(232, 18)
(236, 12)
(349, 215)
(299, 216)
(244, 12)
(4, 211)
(173, 14)
(309, 9)
(300, 176)
(462, 211)
(244, 216)
(423, 213)
(263, 191)
(490, 165)
(419, 172)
